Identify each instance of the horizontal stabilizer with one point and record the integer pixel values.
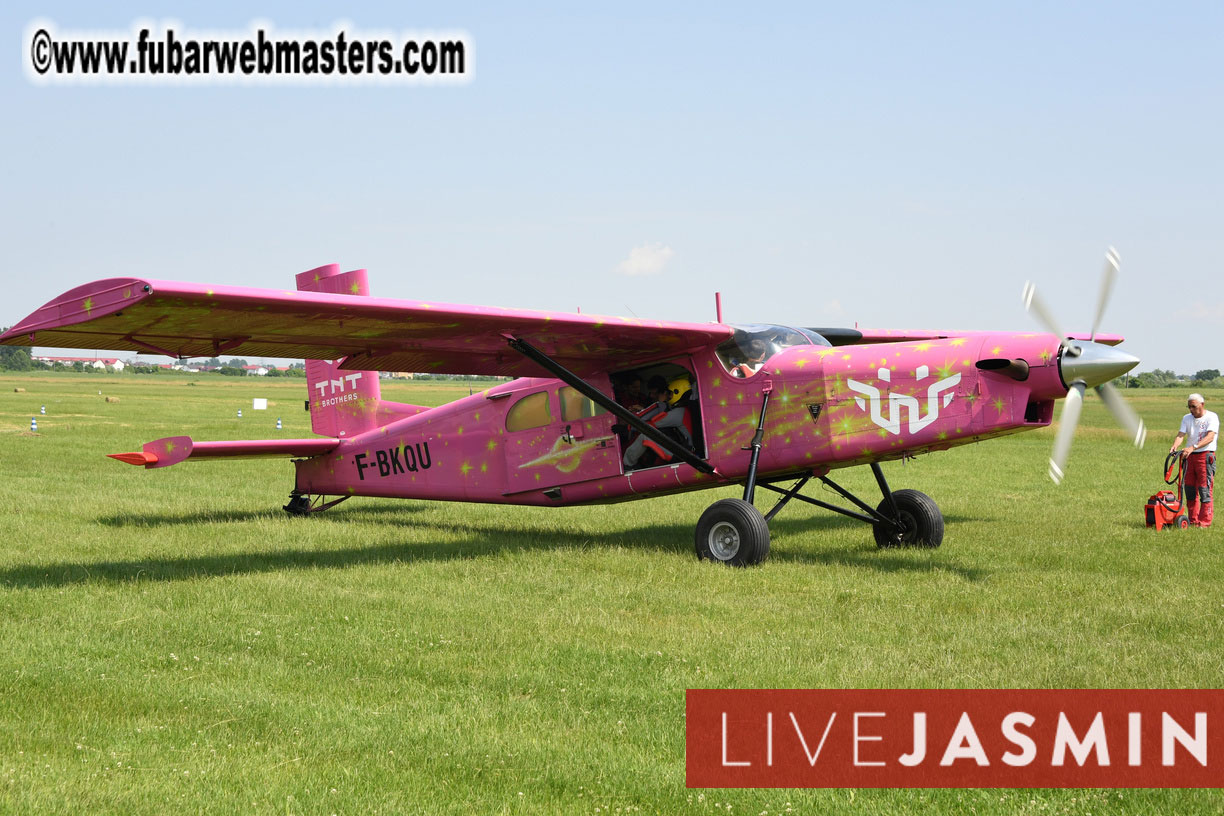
(175, 449)
(136, 458)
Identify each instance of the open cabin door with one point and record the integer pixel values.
(556, 436)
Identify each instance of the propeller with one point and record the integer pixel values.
(1067, 421)
(1123, 414)
(1107, 281)
(1035, 305)
(1087, 364)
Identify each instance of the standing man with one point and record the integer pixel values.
(1200, 428)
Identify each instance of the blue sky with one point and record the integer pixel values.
(891, 164)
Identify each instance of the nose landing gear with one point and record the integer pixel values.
(918, 522)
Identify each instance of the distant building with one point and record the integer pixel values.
(101, 363)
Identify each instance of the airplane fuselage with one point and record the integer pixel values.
(829, 407)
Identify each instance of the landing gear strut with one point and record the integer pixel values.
(906, 518)
(303, 504)
(733, 531)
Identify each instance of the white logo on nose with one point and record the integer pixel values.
(892, 423)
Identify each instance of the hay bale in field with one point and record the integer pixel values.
(18, 390)
(112, 399)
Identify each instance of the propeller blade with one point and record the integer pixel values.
(1122, 412)
(1067, 421)
(1035, 305)
(1112, 259)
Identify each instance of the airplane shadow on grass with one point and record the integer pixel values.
(477, 540)
(368, 512)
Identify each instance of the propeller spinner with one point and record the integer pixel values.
(1087, 363)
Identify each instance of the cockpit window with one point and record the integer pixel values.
(574, 405)
(529, 412)
(753, 344)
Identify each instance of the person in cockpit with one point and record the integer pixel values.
(754, 358)
(670, 410)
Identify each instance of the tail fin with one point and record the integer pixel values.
(342, 403)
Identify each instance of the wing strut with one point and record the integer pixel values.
(603, 400)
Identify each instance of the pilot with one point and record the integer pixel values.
(755, 358)
(667, 412)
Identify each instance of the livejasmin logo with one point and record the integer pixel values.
(954, 738)
(965, 744)
(892, 423)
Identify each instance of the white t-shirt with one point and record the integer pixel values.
(1196, 429)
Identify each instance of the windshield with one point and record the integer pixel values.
(754, 343)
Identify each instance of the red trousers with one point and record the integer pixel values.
(1199, 480)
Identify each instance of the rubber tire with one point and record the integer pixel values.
(924, 524)
(748, 524)
(1182, 522)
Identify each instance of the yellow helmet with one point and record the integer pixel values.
(677, 388)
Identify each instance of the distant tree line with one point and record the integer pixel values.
(18, 358)
(1163, 378)
(459, 377)
(15, 358)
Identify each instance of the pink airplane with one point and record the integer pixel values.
(750, 405)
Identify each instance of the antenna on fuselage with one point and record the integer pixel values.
(718, 306)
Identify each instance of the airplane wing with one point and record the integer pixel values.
(197, 320)
(846, 337)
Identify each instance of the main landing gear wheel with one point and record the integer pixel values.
(922, 524)
(733, 532)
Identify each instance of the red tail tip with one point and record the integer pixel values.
(137, 458)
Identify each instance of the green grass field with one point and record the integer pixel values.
(173, 642)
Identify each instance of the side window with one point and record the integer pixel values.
(575, 406)
(529, 412)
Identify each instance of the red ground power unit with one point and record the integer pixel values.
(1165, 510)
